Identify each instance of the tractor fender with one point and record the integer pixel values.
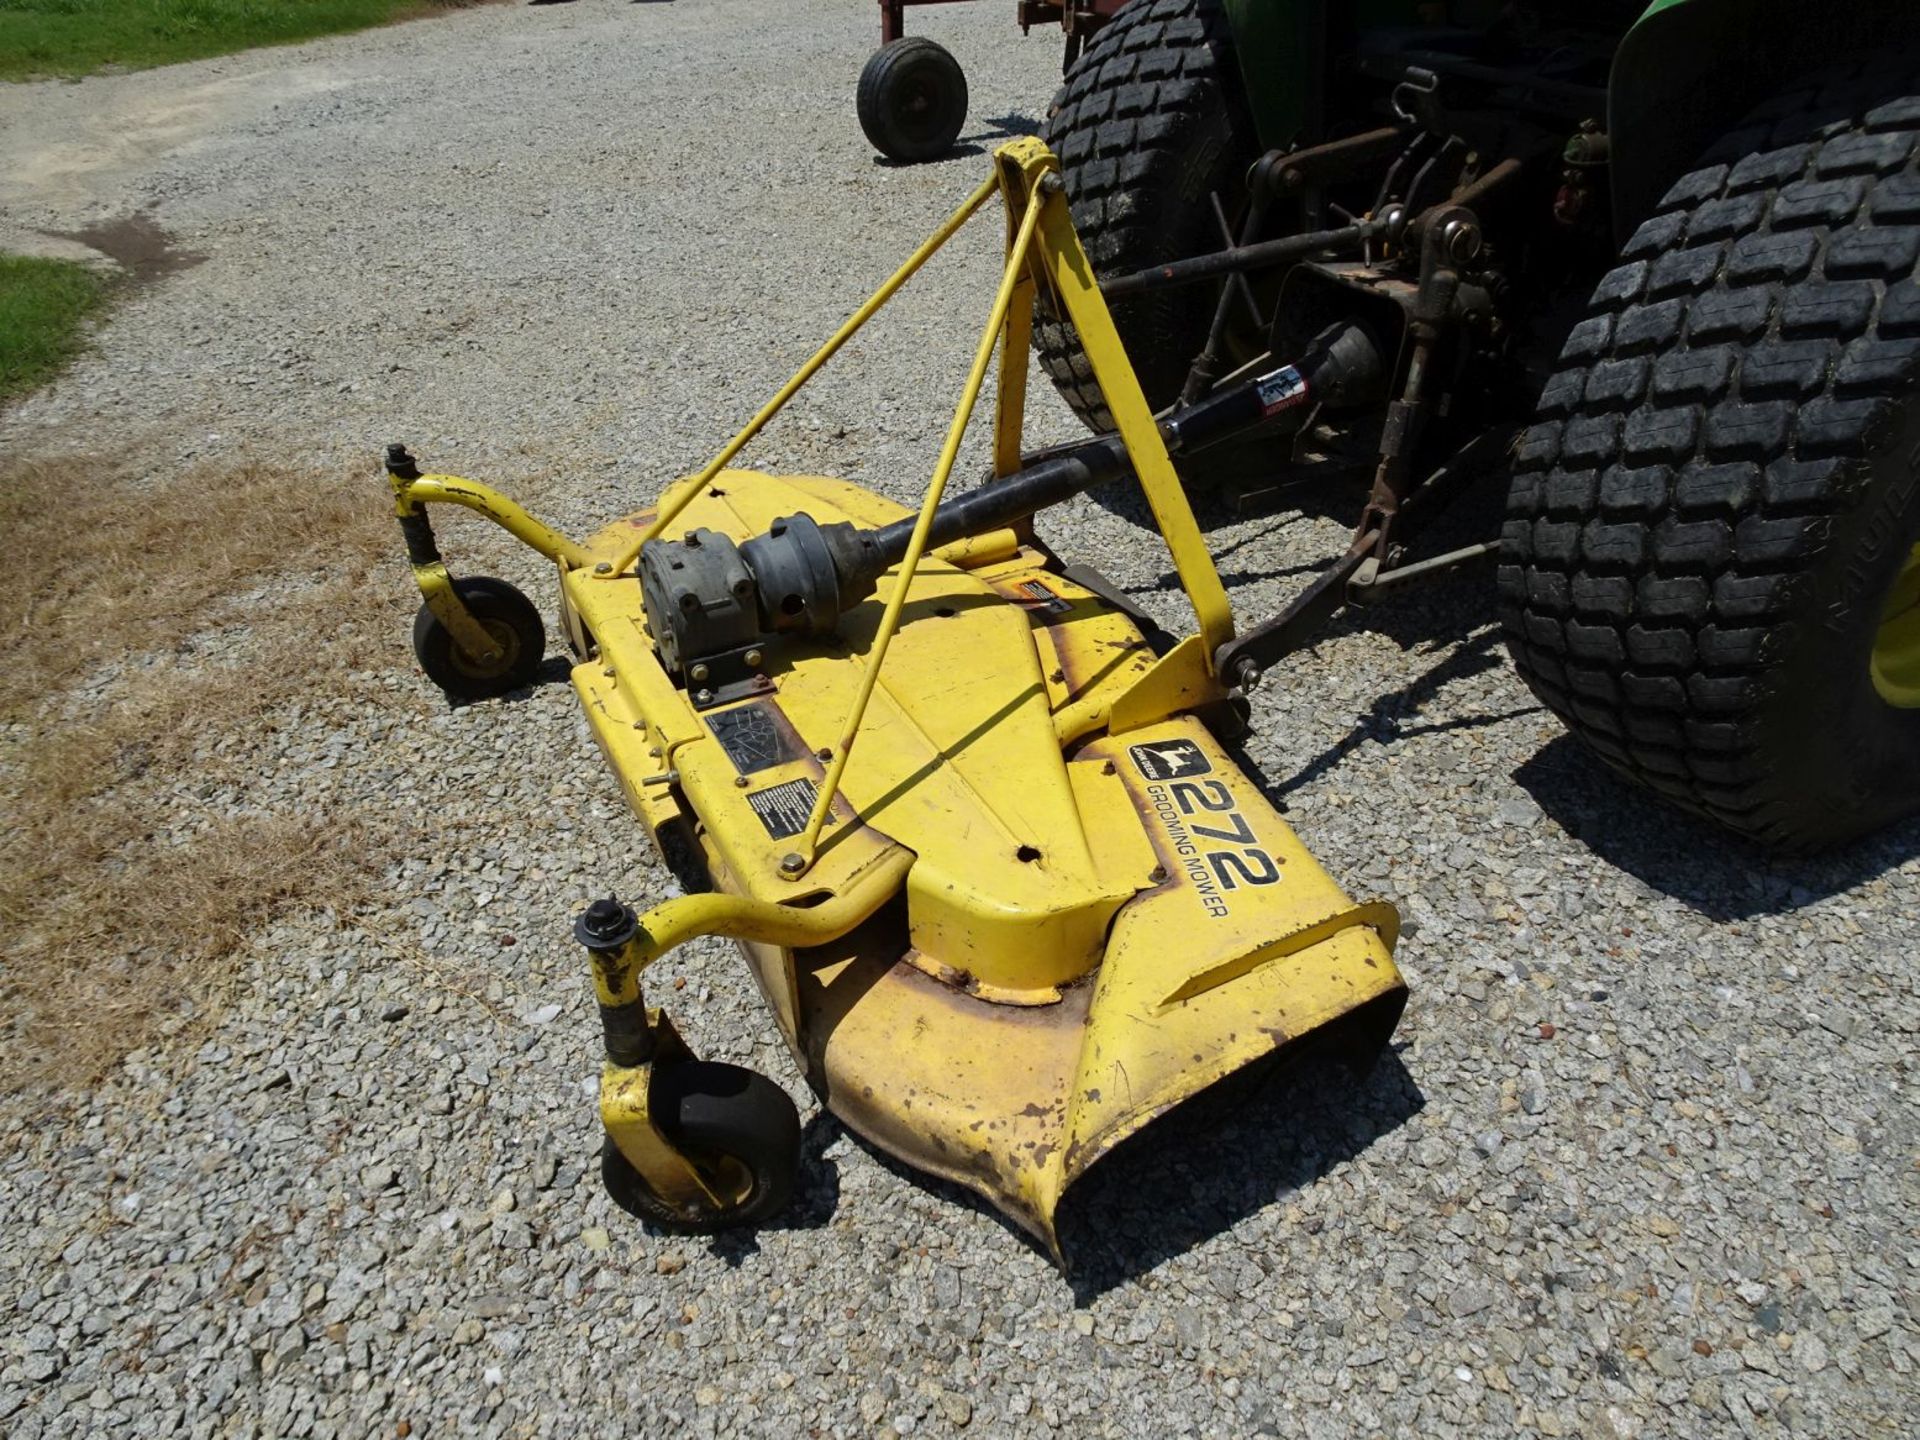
(1689, 69)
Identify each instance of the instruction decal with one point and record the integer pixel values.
(784, 808)
(1034, 595)
(756, 737)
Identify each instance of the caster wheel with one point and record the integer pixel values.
(737, 1126)
(508, 616)
(912, 99)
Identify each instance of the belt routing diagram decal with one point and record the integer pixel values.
(1212, 839)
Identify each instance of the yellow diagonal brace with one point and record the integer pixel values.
(677, 499)
(1010, 278)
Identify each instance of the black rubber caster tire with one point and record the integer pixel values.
(912, 99)
(515, 626)
(737, 1125)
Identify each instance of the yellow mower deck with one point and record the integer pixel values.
(1088, 935)
(1043, 907)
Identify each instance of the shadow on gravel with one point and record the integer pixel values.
(1716, 874)
(1235, 491)
(1006, 127)
(1393, 715)
(143, 250)
(962, 150)
(1247, 1144)
(997, 129)
(554, 670)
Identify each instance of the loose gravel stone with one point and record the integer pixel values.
(1639, 1162)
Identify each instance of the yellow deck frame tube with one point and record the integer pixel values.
(922, 526)
(740, 917)
(676, 500)
(410, 495)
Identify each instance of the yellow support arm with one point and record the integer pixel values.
(796, 863)
(1185, 676)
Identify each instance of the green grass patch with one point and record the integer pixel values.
(78, 37)
(42, 305)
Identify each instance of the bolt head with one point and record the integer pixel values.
(753, 659)
(606, 925)
(793, 863)
(703, 697)
(603, 568)
(699, 672)
(1462, 239)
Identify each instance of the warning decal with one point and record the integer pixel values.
(756, 737)
(784, 808)
(1282, 390)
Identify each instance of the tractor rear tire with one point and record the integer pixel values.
(1709, 567)
(1150, 122)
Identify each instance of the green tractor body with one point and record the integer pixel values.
(1681, 69)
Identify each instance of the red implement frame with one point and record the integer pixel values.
(1078, 20)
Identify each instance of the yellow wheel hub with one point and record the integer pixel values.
(1896, 646)
(504, 639)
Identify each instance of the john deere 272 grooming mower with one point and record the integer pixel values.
(1006, 892)
(1007, 895)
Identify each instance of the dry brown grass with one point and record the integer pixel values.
(148, 636)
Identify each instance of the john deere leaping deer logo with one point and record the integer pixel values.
(1170, 760)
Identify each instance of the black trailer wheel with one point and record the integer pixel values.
(912, 99)
(740, 1130)
(508, 616)
(1709, 566)
(1150, 122)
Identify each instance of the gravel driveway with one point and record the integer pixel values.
(1642, 1163)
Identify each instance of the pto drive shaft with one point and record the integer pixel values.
(710, 600)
